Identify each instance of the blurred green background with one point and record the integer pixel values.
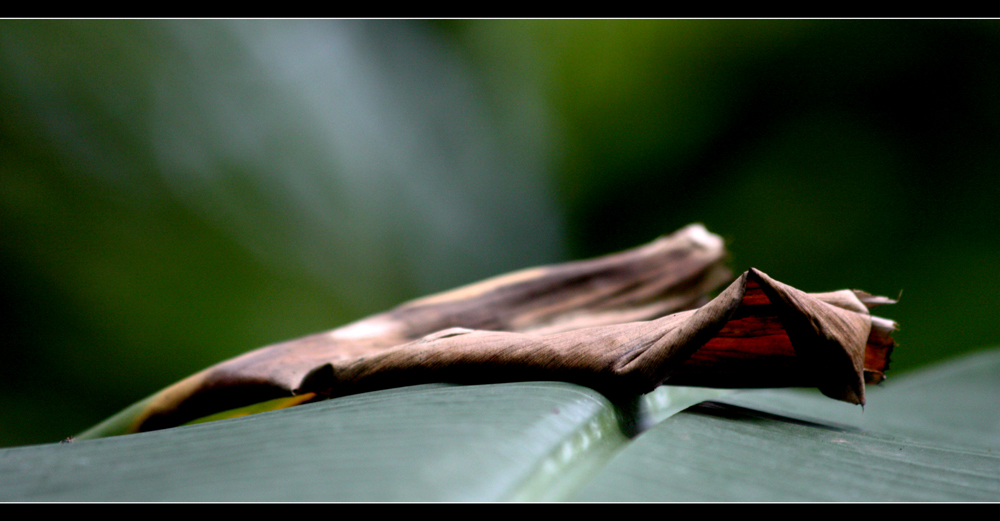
(174, 193)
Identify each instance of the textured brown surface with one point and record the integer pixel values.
(756, 333)
(623, 324)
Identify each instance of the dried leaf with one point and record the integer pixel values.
(756, 333)
(589, 322)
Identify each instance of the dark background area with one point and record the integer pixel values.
(174, 193)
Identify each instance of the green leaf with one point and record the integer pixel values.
(432, 442)
(951, 404)
(725, 453)
(530, 441)
(930, 436)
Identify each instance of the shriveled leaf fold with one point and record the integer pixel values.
(622, 324)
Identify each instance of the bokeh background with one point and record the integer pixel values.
(174, 193)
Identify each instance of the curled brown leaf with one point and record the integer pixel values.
(623, 324)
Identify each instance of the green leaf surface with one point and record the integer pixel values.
(952, 404)
(442, 443)
(724, 453)
(930, 436)
(554, 441)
